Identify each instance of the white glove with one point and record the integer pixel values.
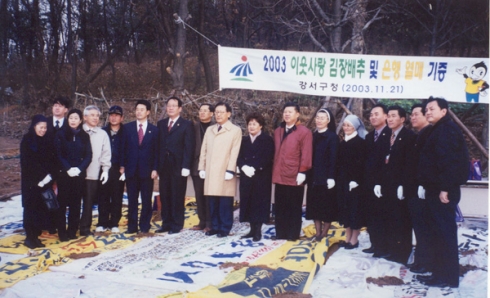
(228, 176)
(185, 172)
(421, 192)
(330, 183)
(352, 185)
(123, 177)
(202, 174)
(45, 181)
(248, 170)
(104, 177)
(72, 172)
(377, 191)
(300, 178)
(399, 193)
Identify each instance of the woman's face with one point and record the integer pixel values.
(41, 128)
(321, 121)
(74, 120)
(253, 127)
(348, 128)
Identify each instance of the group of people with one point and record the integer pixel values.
(391, 180)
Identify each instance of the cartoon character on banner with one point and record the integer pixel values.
(475, 85)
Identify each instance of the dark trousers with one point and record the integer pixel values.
(397, 227)
(33, 214)
(372, 214)
(422, 227)
(134, 186)
(202, 202)
(445, 235)
(172, 196)
(221, 213)
(89, 197)
(69, 195)
(110, 200)
(288, 205)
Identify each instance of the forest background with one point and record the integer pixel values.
(108, 52)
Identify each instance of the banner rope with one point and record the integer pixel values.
(180, 21)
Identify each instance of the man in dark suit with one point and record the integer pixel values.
(376, 140)
(55, 122)
(175, 150)
(139, 166)
(206, 112)
(396, 226)
(443, 167)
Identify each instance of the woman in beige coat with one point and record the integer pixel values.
(217, 164)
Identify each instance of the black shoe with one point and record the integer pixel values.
(369, 250)
(145, 231)
(30, 243)
(342, 243)
(162, 230)
(351, 246)
(439, 284)
(52, 231)
(211, 232)
(72, 236)
(419, 269)
(86, 233)
(222, 234)
(258, 232)
(130, 231)
(174, 231)
(39, 243)
(63, 238)
(381, 255)
(424, 278)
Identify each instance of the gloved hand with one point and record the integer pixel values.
(123, 177)
(399, 193)
(185, 172)
(202, 174)
(228, 176)
(377, 191)
(45, 181)
(72, 172)
(352, 185)
(104, 177)
(330, 183)
(421, 192)
(300, 178)
(248, 170)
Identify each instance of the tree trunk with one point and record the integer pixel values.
(70, 52)
(4, 46)
(177, 70)
(336, 35)
(202, 50)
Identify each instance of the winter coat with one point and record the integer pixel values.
(325, 148)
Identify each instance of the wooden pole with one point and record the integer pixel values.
(469, 134)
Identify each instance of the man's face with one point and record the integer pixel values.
(59, 110)
(394, 120)
(141, 112)
(418, 119)
(221, 115)
(434, 113)
(92, 118)
(173, 109)
(205, 114)
(290, 116)
(377, 117)
(115, 119)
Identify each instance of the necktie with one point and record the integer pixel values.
(376, 135)
(392, 140)
(57, 124)
(170, 125)
(140, 134)
(219, 128)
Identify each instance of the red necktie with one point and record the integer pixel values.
(170, 125)
(140, 134)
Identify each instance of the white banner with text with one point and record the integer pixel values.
(359, 76)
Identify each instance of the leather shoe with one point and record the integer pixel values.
(419, 269)
(72, 236)
(30, 244)
(85, 233)
(162, 230)
(128, 231)
(381, 255)
(39, 243)
(222, 234)
(145, 231)
(63, 238)
(52, 231)
(173, 231)
(368, 250)
(351, 246)
(439, 284)
(211, 233)
(424, 278)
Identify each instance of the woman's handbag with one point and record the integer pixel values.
(50, 199)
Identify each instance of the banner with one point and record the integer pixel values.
(359, 76)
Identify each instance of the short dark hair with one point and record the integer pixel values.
(227, 106)
(382, 106)
(75, 111)
(291, 104)
(211, 108)
(144, 102)
(179, 101)
(419, 105)
(257, 117)
(401, 111)
(441, 102)
(62, 100)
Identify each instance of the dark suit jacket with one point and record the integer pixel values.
(50, 135)
(197, 146)
(175, 147)
(411, 183)
(393, 173)
(325, 148)
(375, 157)
(138, 160)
